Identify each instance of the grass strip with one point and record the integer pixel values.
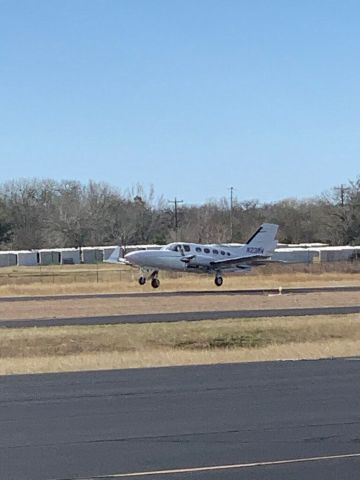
(130, 346)
(97, 279)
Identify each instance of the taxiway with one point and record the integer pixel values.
(272, 420)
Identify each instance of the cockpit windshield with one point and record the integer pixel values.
(177, 247)
(174, 247)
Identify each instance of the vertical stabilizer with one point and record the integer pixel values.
(115, 256)
(263, 241)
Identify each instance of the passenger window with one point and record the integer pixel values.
(207, 250)
(228, 254)
(187, 248)
(215, 252)
(198, 249)
(222, 252)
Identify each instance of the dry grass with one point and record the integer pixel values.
(110, 278)
(132, 346)
(83, 307)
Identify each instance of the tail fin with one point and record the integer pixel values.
(115, 256)
(263, 241)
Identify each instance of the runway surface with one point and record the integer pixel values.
(184, 293)
(178, 317)
(275, 420)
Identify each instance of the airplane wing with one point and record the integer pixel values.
(120, 261)
(242, 262)
(248, 260)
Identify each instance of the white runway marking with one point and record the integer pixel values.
(213, 468)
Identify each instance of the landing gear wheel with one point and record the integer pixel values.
(155, 283)
(218, 281)
(142, 280)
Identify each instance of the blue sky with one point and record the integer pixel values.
(190, 96)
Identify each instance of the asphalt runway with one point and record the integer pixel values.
(184, 293)
(178, 317)
(273, 420)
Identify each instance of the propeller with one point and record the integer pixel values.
(187, 258)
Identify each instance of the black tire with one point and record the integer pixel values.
(142, 280)
(218, 281)
(155, 283)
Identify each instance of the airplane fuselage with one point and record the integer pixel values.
(199, 258)
(188, 257)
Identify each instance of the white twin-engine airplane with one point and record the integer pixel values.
(198, 258)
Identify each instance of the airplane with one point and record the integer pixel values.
(199, 258)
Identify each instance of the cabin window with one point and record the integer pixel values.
(207, 250)
(215, 252)
(187, 248)
(228, 254)
(222, 252)
(198, 249)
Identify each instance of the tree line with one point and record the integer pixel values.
(47, 213)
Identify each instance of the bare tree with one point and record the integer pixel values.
(46, 213)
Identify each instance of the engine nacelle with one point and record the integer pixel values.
(199, 260)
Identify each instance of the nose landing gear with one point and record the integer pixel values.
(218, 280)
(142, 280)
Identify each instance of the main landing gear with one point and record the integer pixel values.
(218, 280)
(155, 282)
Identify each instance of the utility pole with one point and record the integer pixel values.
(342, 189)
(231, 212)
(176, 218)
